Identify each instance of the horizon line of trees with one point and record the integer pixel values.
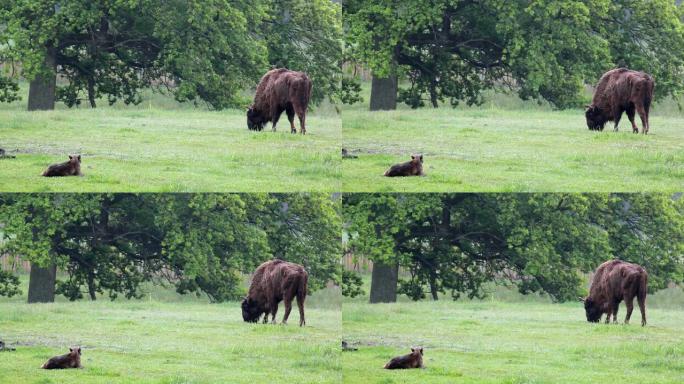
(451, 51)
(453, 244)
(199, 243)
(208, 51)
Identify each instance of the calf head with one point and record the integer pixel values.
(595, 118)
(255, 120)
(592, 309)
(251, 310)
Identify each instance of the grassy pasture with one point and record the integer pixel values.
(509, 338)
(163, 146)
(507, 145)
(168, 339)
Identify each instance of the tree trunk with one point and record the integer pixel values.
(42, 284)
(42, 89)
(384, 283)
(433, 286)
(91, 92)
(91, 286)
(383, 94)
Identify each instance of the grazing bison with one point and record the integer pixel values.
(621, 90)
(280, 90)
(272, 282)
(613, 282)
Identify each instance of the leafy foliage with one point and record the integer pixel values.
(539, 242)
(206, 51)
(197, 242)
(452, 50)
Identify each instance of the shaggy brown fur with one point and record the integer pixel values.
(68, 168)
(621, 90)
(272, 282)
(409, 168)
(412, 360)
(70, 360)
(280, 90)
(613, 282)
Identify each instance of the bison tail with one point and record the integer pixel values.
(301, 290)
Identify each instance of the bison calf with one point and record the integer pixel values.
(272, 282)
(613, 282)
(412, 360)
(68, 168)
(70, 360)
(621, 90)
(409, 168)
(280, 90)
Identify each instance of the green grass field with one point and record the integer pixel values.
(170, 340)
(161, 146)
(511, 146)
(529, 340)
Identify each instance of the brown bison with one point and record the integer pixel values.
(70, 360)
(272, 282)
(621, 90)
(412, 360)
(614, 281)
(280, 90)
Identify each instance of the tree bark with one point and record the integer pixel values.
(43, 88)
(383, 94)
(42, 284)
(384, 283)
(91, 92)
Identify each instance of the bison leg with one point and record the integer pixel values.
(288, 308)
(274, 310)
(300, 304)
(629, 301)
(617, 118)
(643, 114)
(302, 120)
(275, 116)
(630, 115)
(290, 116)
(641, 299)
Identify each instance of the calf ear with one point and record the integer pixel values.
(79, 350)
(70, 157)
(79, 157)
(421, 350)
(421, 160)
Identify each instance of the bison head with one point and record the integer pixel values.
(251, 310)
(255, 121)
(595, 118)
(592, 310)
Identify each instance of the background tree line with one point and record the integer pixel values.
(209, 51)
(200, 243)
(455, 243)
(453, 50)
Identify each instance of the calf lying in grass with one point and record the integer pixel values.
(68, 168)
(409, 168)
(412, 360)
(70, 360)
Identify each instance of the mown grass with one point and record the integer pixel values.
(511, 146)
(161, 341)
(162, 146)
(525, 341)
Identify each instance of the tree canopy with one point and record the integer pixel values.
(456, 243)
(452, 50)
(208, 50)
(111, 243)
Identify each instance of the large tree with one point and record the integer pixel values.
(200, 243)
(207, 51)
(540, 242)
(452, 50)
